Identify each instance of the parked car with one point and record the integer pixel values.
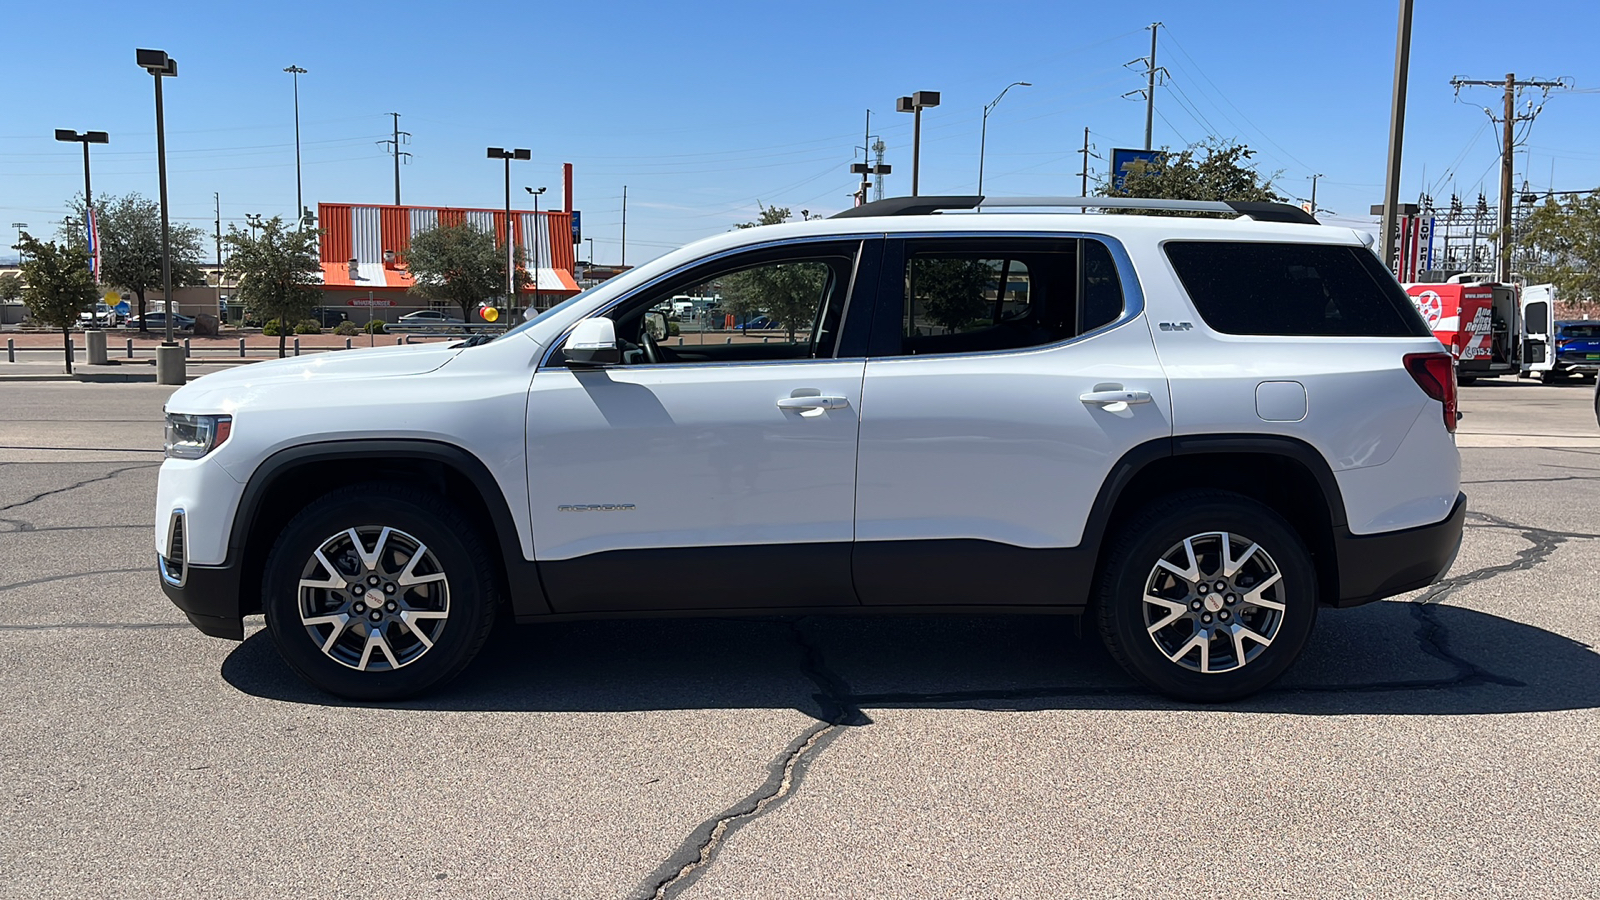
(427, 318)
(329, 316)
(157, 321)
(1577, 349)
(102, 316)
(1201, 434)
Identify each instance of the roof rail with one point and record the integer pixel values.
(922, 206)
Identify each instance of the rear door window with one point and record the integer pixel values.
(1309, 290)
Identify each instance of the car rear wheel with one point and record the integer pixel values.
(1206, 596)
(378, 592)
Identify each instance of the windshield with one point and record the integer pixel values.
(563, 305)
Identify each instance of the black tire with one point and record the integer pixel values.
(1131, 566)
(1552, 377)
(449, 546)
(1466, 379)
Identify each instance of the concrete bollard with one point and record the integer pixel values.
(170, 365)
(186, 351)
(398, 341)
(347, 344)
(11, 349)
(728, 341)
(241, 348)
(130, 348)
(297, 346)
(680, 342)
(96, 343)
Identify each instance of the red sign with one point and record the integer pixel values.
(365, 302)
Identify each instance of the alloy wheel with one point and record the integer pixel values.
(1214, 602)
(374, 598)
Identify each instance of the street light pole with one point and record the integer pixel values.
(511, 257)
(19, 226)
(299, 204)
(915, 104)
(86, 138)
(983, 135)
(535, 194)
(169, 356)
(1397, 129)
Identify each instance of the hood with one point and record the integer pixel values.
(220, 391)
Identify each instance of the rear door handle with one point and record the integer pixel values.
(1106, 398)
(815, 403)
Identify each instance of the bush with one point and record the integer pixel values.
(271, 327)
(347, 328)
(308, 326)
(375, 327)
(673, 330)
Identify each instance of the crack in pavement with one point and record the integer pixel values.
(23, 525)
(842, 708)
(685, 866)
(26, 527)
(49, 578)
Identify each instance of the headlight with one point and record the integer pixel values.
(191, 437)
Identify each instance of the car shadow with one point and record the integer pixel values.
(1394, 658)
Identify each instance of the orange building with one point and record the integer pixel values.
(363, 248)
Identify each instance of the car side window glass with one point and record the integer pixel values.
(986, 295)
(774, 306)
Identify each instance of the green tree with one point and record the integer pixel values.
(59, 286)
(277, 271)
(10, 287)
(788, 292)
(1561, 242)
(1208, 170)
(950, 292)
(460, 264)
(129, 228)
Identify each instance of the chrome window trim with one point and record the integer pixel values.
(1132, 292)
(555, 345)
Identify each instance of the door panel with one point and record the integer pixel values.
(702, 456)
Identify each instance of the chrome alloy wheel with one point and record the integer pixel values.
(374, 598)
(1214, 602)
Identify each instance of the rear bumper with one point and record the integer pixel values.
(209, 597)
(1375, 566)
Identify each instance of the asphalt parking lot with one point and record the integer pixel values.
(1445, 743)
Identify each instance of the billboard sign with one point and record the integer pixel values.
(577, 227)
(1122, 159)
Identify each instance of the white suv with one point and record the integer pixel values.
(1195, 430)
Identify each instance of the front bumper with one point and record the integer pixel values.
(1375, 566)
(208, 596)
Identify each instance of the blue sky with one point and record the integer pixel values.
(706, 109)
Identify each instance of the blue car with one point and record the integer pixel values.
(1577, 348)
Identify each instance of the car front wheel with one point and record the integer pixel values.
(378, 592)
(1206, 596)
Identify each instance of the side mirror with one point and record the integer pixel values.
(655, 325)
(593, 343)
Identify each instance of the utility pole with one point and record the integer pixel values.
(864, 169)
(1150, 88)
(1314, 192)
(393, 146)
(1397, 129)
(624, 263)
(1508, 120)
(1083, 190)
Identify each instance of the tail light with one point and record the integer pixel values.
(1435, 373)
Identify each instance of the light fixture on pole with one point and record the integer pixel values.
(864, 170)
(983, 136)
(535, 194)
(915, 104)
(299, 204)
(511, 258)
(91, 240)
(169, 356)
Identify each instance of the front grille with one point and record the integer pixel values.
(174, 564)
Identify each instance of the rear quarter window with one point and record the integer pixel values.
(1584, 332)
(1307, 290)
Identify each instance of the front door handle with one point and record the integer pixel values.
(1107, 398)
(813, 403)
